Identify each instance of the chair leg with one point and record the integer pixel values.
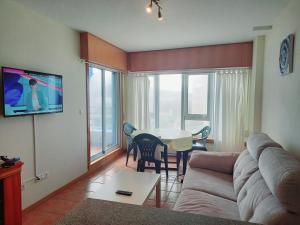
(127, 156)
(166, 164)
(157, 166)
(134, 153)
(138, 166)
(142, 165)
(178, 158)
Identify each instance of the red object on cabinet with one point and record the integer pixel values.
(10, 179)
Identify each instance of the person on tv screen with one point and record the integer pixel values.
(35, 99)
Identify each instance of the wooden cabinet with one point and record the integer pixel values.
(10, 195)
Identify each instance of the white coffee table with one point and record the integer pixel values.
(140, 184)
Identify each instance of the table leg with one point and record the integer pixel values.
(178, 158)
(158, 193)
(185, 156)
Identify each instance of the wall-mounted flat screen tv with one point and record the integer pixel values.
(28, 92)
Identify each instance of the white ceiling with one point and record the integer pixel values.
(186, 23)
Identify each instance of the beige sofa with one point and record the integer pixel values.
(260, 185)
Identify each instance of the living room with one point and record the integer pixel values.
(169, 69)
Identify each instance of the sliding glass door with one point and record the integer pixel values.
(103, 111)
(110, 110)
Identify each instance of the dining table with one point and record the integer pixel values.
(178, 141)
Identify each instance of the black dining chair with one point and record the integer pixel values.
(128, 129)
(147, 146)
(200, 139)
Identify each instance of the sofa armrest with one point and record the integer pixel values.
(216, 161)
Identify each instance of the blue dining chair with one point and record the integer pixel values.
(146, 145)
(128, 129)
(200, 139)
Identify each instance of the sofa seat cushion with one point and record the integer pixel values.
(203, 203)
(211, 182)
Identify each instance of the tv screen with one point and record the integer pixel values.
(28, 92)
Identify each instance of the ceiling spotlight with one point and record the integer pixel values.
(160, 17)
(149, 7)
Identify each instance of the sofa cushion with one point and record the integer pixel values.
(215, 183)
(252, 194)
(257, 142)
(244, 167)
(203, 203)
(281, 172)
(271, 212)
(217, 161)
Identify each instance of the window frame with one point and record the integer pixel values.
(184, 97)
(116, 95)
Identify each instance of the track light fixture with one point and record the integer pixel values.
(160, 17)
(149, 8)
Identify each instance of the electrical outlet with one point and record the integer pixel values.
(42, 177)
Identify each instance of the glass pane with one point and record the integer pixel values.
(152, 102)
(95, 100)
(111, 118)
(197, 94)
(170, 101)
(195, 125)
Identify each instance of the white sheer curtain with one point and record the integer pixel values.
(137, 100)
(231, 108)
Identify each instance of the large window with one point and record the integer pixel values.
(196, 101)
(103, 111)
(197, 94)
(170, 101)
(179, 101)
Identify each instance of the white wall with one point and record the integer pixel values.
(31, 41)
(281, 94)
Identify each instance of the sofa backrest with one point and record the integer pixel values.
(281, 171)
(267, 182)
(257, 142)
(244, 167)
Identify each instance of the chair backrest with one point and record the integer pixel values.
(128, 129)
(147, 144)
(204, 132)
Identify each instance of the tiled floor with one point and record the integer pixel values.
(49, 212)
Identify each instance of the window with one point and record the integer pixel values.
(152, 106)
(196, 101)
(179, 101)
(170, 101)
(103, 111)
(195, 125)
(197, 95)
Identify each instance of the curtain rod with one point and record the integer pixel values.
(208, 70)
